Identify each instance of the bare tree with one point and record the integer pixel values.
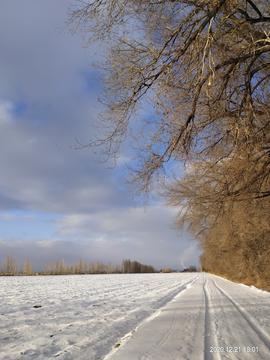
(11, 265)
(200, 68)
(56, 267)
(91, 267)
(8, 263)
(49, 267)
(209, 188)
(28, 268)
(62, 267)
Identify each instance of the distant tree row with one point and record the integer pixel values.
(169, 270)
(136, 267)
(12, 267)
(61, 267)
(81, 267)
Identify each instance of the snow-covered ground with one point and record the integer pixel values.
(138, 316)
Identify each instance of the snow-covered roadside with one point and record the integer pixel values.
(81, 317)
(213, 319)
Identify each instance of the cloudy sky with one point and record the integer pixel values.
(56, 202)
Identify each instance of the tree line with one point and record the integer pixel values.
(82, 267)
(201, 70)
(12, 267)
(61, 267)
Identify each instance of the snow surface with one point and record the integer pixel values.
(132, 316)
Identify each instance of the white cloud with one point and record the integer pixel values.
(124, 222)
(11, 217)
(5, 112)
(6, 217)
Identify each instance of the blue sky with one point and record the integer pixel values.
(56, 202)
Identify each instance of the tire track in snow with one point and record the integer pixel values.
(159, 336)
(173, 326)
(265, 338)
(184, 286)
(209, 332)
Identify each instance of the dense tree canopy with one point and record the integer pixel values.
(202, 69)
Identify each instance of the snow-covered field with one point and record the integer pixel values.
(138, 316)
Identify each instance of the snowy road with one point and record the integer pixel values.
(147, 316)
(212, 319)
